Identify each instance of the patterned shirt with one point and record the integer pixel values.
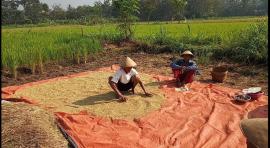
(190, 65)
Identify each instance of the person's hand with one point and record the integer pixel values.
(122, 98)
(148, 94)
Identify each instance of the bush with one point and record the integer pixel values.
(161, 38)
(247, 46)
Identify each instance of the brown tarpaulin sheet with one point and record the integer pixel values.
(206, 116)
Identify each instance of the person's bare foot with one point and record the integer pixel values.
(185, 86)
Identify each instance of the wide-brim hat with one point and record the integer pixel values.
(256, 131)
(187, 52)
(128, 63)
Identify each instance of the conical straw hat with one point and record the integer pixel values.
(256, 131)
(187, 52)
(129, 63)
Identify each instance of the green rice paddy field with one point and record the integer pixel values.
(34, 46)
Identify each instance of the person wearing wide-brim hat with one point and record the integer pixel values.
(186, 68)
(256, 132)
(125, 79)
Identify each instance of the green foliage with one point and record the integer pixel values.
(201, 39)
(241, 41)
(35, 48)
(127, 15)
(179, 7)
(161, 38)
(34, 11)
(248, 45)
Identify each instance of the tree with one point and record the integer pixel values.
(45, 11)
(57, 13)
(163, 10)
(32, 10)
(98, 8)
(149, 6)
(262, 7)
(107, 8)
(10, 12)
(179, 7)
(71, 13)
(45, 7)
(203, 8)
(231, 8)
(127, 15)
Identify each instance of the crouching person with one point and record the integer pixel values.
(185, 68)
(125, 79)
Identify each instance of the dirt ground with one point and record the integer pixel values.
(31, 135)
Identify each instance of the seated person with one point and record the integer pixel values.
(187, 67)
(126, 78)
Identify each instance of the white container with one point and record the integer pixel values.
(252, 90)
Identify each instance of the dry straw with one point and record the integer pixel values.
(25, 125)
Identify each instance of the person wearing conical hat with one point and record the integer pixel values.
(125, 79)
(186, 68)
(256, 132)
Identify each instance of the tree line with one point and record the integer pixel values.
(33, 11)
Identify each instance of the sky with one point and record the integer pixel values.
(64, 3)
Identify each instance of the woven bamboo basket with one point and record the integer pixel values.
(219, 73)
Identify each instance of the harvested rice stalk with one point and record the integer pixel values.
(25, 125)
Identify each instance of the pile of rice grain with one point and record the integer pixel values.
(25, 126)
(93, 94)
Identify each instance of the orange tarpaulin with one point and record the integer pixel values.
(206, 116)
(203, 117)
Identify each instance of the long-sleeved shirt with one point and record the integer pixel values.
(190, 65)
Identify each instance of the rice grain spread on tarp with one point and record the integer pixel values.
(92, 93)
(206, 116)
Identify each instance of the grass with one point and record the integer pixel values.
(179, 30)
(35, 46)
